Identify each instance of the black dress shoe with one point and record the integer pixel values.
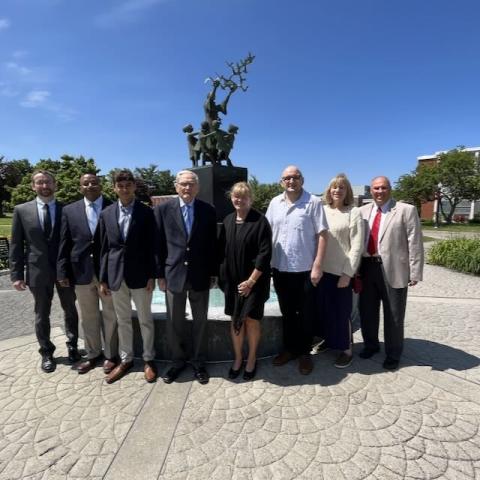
(390, 364)
(232, 373)
(368, 352)
(73, 355)
(172, 374)
(250, 375)
(48, 363)
(202, 375)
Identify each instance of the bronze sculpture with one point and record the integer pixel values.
(212, 144)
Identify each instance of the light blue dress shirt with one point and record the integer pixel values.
(188, 217)
(294, 231)
(124, 218)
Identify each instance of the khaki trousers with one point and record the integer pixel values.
(94, 321)
(122, 302)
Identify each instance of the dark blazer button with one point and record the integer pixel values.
(185, 263)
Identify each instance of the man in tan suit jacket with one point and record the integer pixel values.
(392, 261)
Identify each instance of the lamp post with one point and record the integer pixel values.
(438, 199)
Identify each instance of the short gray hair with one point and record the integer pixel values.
(185, 172)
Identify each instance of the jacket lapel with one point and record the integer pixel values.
(196, 208)
(177, 214)
(116, 216)
(58, 220)
(82, 215)
(388, 218)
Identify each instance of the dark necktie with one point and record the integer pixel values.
(373, 239)
(47, 221)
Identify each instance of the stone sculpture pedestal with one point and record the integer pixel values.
(215, 182)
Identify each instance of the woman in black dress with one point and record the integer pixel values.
(246, 242)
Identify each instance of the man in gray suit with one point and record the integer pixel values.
(392, 261)
(33, 257)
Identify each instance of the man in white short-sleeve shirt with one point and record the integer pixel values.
(299, 238)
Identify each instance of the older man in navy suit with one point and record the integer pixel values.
(127, 271)
(33, 258)
(79, 264)
(187, 261)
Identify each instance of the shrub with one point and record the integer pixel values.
(462, 254)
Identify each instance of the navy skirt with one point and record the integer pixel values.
(334, 311)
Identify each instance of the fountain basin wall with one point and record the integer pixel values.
(218, 334)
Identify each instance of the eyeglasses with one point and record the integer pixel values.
(291, 177)
(43, 182)
(186, 184)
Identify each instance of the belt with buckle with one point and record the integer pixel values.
(375, 259)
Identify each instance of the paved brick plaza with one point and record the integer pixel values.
(421, 422)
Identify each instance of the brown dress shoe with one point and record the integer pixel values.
(150, 372)
(108, 366)
(305, 365)
(283, 358)
(87, 365)
(118, 372)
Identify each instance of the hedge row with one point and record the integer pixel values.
(462, 254)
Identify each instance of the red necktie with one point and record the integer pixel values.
(373, 239)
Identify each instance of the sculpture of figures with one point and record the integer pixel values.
(223, 141)
(228, 141)
(205, 146)
(211, 108)
(211, 143)
(194, 155)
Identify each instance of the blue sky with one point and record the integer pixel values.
(359, 86)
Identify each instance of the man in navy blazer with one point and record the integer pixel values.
(79, 265)
(127, 271)
(33, 257)
(187, 261)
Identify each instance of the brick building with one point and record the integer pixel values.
(465, 210)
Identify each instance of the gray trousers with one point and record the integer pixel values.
(180, 337)
(375, 289)
(43, 296)
(122, 302)
(94, 321)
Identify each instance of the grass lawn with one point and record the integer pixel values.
(5, 226)
(454, 227)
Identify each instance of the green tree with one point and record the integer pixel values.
(11, 174)
(159, 182)
(454, 177)
(459, 179)
(263, 193)
(67, 171)
(417, 187)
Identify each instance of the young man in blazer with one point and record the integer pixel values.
(127, 271)
(79, 265)
(33, 258)
(392, 261)
(187, 261)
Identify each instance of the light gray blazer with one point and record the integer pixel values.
(400, 243)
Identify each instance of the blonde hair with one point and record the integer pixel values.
(242, 189)
(339, 178)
